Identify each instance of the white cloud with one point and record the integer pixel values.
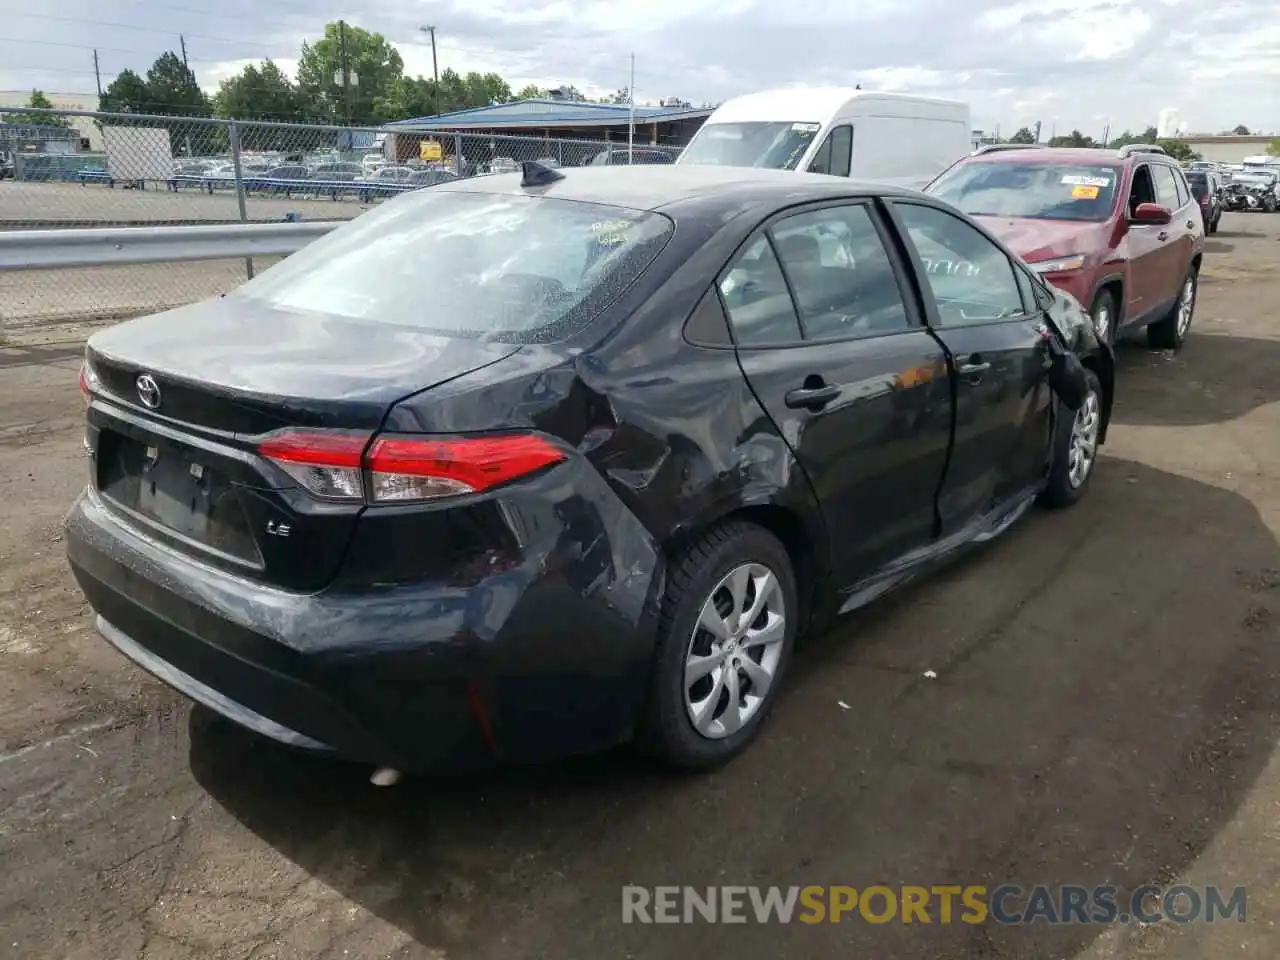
(1074, 60)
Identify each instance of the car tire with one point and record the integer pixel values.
(1075, 448)
(1170, 332)
(704, 575)
(1104, 304)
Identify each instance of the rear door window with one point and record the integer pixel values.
(844, 282)
(756, 297)
(1166, 186)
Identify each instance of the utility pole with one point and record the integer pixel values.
(435, 72)
(344, 69)
(631, 112)
(97, 74)
(182, 41)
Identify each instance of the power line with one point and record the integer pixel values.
(129, 26)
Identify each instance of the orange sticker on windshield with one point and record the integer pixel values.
(1084, 193)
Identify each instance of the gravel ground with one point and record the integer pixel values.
(1105, 709)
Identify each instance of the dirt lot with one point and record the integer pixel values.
(1105, 709)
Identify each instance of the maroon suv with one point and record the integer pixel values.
(1117, 229)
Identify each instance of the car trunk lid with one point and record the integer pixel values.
(183, 399)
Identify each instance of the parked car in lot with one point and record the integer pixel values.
(614, 156)
(513, 468)
(1118, 230)
(1207, 189)
(337, 171)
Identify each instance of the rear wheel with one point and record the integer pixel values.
(1170, 332)
(1075, 448)
(727, 626)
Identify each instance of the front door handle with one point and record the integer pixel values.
(973, 369)
(811, 398)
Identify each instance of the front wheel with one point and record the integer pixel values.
(1103, 313)
(1170, 332)
(728, 622)
(1075, 447)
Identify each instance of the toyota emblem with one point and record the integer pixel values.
(148, 391)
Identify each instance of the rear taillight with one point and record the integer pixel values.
(326, 463)
(336, 465)
(88, 383)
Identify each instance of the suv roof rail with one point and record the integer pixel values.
(993, 147)
(1131, 148)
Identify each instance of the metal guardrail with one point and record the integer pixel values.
(128, 246)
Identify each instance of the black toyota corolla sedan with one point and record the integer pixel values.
(539, 463)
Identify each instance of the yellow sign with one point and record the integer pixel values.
(429, 150)
(1084, 193)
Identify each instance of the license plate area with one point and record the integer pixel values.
(174, 489)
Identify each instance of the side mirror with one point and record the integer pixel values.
(1152, 213)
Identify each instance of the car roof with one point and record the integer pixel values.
(669, 186)
(1055, 155)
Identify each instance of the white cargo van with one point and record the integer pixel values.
(892, 137)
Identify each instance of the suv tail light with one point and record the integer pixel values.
(355, 467)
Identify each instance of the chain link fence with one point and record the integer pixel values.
(77, 169)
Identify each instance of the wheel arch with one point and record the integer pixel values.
(1112, 283)
(804, 542)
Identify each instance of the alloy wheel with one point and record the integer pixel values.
(1084, 441)
(1102, 321)
(735, 650)
(1186, 306)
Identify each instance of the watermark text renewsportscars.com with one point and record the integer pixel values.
(939, 903)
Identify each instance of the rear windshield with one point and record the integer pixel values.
(514, 269)
(1037, 191)
(1199, 185)
(777, 145)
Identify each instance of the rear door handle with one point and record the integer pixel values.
(1191, 225)
(811, 398)
(1163, 235)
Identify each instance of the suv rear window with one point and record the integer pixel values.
(1198, 183)
(1038, 191)
(514, 269)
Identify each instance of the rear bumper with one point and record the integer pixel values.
(522, 665)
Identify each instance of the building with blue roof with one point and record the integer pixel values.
(513, 128)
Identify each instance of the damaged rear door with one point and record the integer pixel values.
(836, 352)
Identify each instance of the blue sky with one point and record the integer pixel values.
(1077, 64)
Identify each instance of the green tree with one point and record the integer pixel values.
(37, 101)
(172, 89)
(407, 99)
(531, 91)
(1074, 139)
(1178, 149)
(1241, 131)
(622, 95)
(260, 92)
(483, 89)
(374, 65)
(1023, 135)
(127, 93)
(1273, 148)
